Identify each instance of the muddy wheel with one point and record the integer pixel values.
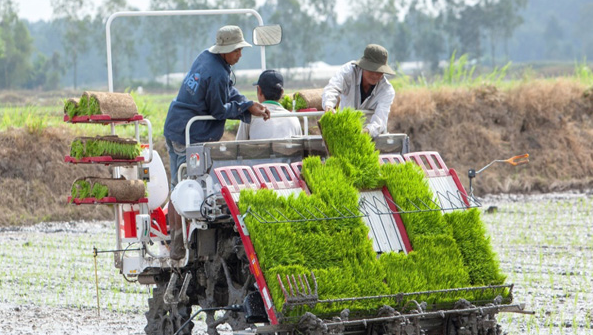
(224, 280)
(167, 325)
(163, 319)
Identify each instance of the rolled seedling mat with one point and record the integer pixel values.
(120, 189)
(81, 189)
(116, 105)
(309, 99)
(71, 106)
(109, 145)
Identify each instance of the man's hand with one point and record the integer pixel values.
(330, 109)
(365, 130)
(257, 109)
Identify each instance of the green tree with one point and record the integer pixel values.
(305, 27)
(75, 40)
(470, 31)
(554, 39)
(401, 41)
(123, 40)
(429, 39)
(164, 40)
(583, 26)
(1, 44)
(362, 30)
(501, 18)
(16, 47)
(190, 42)
(47, 71)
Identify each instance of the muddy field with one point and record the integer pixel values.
(544, 242)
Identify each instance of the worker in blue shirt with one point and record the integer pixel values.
(206, 90)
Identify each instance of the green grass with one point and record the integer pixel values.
(459, 72)
(51, 115)
(583, 72)
(35, 118)
(32, 118)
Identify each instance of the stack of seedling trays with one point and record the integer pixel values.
(101, 107)
(104, 108)
(94, 190)
(104, 149)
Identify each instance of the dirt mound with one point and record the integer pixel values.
(550, 120)
(35, 181)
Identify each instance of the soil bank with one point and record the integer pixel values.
(470, 127)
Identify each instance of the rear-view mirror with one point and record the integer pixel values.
(267, 35)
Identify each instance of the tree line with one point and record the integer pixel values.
(70, 49)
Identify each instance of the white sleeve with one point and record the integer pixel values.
(378, 123)
(336, 86)
(243, 131)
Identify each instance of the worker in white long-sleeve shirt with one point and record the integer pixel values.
(270, 88)
(362, 85)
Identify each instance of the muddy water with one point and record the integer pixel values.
(48, 283)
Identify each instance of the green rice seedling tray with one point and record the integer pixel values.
(104, 201)
(104, 149)
(100, 119)
(102, 160)
(352, 269)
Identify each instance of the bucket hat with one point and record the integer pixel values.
(375, 59)
(228, 39)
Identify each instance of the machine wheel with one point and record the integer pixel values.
(163, 319)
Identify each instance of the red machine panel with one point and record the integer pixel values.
(391, 158)
(276, 176)
(297, 167)
(434, 166)
(430, 161)
(236, 178)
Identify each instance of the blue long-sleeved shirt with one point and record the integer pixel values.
(206, 90)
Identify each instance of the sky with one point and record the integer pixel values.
(35, 10)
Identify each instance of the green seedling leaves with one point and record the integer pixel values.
(470, 233)
(89, 147)
(300, 103)
(450, 251)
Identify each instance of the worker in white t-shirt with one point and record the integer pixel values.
(270, 88)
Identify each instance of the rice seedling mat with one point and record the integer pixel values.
(104, 201)
(101, 119)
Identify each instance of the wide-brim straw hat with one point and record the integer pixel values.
(375, 60)
(228, 39)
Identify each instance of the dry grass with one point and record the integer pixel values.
(35, 181)
(470, 127)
